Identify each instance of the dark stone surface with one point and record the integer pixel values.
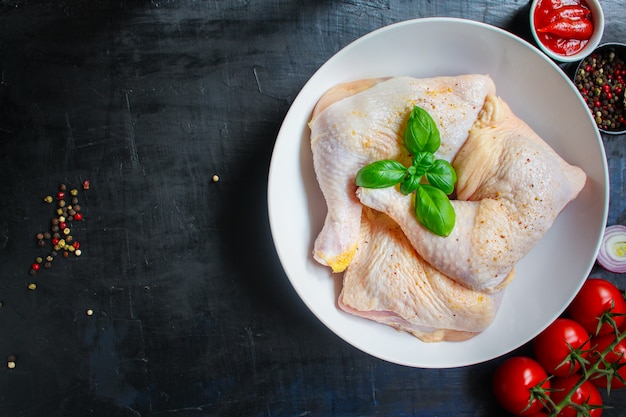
(192, 312)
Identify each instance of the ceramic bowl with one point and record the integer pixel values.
(597, 20)
(546, 280)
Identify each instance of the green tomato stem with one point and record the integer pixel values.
(588, 372)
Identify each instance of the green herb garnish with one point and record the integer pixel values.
(432, 180)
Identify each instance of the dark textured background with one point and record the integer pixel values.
(193, 314)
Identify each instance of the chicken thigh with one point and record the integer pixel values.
(513, 186)
(358, 123)
(389, 282)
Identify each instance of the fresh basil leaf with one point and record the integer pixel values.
(422, 161)
(410, 184)
(434, 210)
(421, 133)
(381, 174)
(441, 175)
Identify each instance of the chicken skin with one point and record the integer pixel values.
(358, 123)
(390, 283)
(511, 187)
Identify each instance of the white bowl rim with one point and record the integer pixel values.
(274, 204)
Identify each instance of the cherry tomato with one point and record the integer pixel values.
(616, 357)
(553, 346)
(596, 297)
(512, 384)
(587, 393)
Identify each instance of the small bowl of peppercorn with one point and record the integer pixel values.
(566, 31)
(601, 80)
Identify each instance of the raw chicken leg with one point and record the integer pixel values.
(361, 122)
(390, 283)
(516, 186)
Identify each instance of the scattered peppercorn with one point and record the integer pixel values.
(601, 81)
(60, 226)
(215, 178)
(32, 286)
(90, 312)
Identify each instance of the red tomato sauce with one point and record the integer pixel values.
(563, 26)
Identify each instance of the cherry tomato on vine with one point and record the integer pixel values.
(587, 394)
(616, 358)
(556, 347)
(597, 297)
(514, 384)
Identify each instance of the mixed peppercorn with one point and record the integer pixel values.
(600, 79)
(59, 235)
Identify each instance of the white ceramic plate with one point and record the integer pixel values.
(538, 92)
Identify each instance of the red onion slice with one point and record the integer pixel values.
(612, 255)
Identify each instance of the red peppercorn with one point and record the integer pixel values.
(76, 245)
(35, 266)
(86, 185)
(78, 217)
(62, 225)
(55, 241)
(60, 195)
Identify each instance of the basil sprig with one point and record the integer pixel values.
(432, 180)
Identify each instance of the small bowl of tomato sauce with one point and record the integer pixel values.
(566, 30)
(601, 80)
